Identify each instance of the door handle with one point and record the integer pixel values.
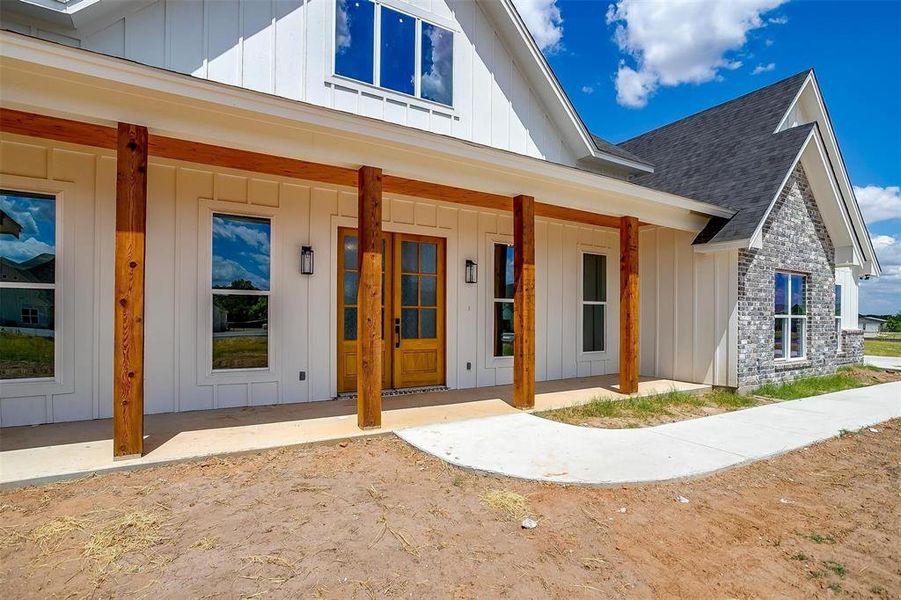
(397, 333)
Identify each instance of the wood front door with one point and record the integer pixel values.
(413, 300)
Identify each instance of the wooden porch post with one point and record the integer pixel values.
(369, 299)
(628, 305)
(523, 302)
(128, 329)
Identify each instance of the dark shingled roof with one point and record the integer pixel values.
(727, 155)
(610, 148)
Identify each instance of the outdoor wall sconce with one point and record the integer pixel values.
(306, 260)
(472, 271)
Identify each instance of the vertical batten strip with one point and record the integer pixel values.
(628, 305)
(369, 299)
(524, 302)
(128, 329)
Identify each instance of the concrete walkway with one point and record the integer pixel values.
(51, 452)
(525, 446)
(889, 363)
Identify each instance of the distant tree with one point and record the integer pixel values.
(893, 322)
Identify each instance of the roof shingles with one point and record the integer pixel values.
(727, 155)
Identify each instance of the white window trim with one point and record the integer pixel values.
(63, 378)
(334, 78)
(206, 375)
(788, 358)
(589, 355)
(492, 361)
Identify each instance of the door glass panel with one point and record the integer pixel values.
(409, 290)
(427, 323)
(408, 257)
(428, 258)
(350, 287)
(429, 291)
(350, 324)
(409, 323)
(350, 252)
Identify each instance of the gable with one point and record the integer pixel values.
(287, 48)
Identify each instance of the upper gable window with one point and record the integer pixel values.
(383, 46)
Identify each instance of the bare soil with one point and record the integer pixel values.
(375, 518)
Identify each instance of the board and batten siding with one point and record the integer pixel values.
(688, 309)
(181, 198)
(844, 276)
(285, 48)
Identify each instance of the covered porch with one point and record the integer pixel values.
(50, 452)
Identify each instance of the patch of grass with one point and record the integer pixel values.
(809, 386)
(510, 503)
(881, 348)
(799, 556)
(835, 567)
(644, 409)
(821, 539)
(730, 400)
(834, 587)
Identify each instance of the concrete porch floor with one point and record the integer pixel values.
(41, 453)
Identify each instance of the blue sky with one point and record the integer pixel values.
(241, 247)
(631, 66)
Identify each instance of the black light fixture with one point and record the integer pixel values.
(472, 271)
(306, 260)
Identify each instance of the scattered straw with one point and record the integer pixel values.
(206, 543)
(510, 503)
(48, 536)
(132, 531)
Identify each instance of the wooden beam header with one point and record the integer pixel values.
(101, 136)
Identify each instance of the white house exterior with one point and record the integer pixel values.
(253, 85)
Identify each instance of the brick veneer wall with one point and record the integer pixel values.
(794, 239)
(852, 347)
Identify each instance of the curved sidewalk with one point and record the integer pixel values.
(528, 447)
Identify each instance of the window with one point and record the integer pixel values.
(791, 316)
(838, 316)
(27, 285)
(503, 300)
(594, 302)
(240, 290)
(382, 46)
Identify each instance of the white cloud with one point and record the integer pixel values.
(587, 89)
(543, 19)
(879, 203)
(682, 41)
(882, 295)
(22, 250)
(780, 20)
(763, 69)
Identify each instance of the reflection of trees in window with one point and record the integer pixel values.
(27, 285)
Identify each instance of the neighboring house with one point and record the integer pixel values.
(515, 245)
(870, 326)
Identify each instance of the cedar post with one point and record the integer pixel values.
(523, 302)
(369, 299)
(128, 329)
(628, 305)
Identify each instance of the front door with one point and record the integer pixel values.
(413, 300)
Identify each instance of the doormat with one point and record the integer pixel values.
(402, 392)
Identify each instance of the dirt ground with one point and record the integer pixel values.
(374, 518)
